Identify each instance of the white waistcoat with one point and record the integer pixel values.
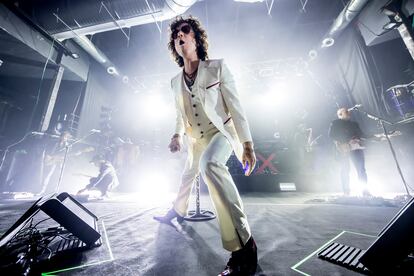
(218, 95)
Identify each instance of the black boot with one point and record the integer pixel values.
(242, 262)
(169, 216)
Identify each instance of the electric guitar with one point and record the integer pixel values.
(311, 144)
(357, 143)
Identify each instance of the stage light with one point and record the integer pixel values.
(112, 70)
(355, 186)
(392, 11)
(154, 181)
(375, 186)
(379, 187)
(154, 187)
(328, 42)
(388, 12)
(287, 187)
(394, 23)
(277, 96)
(154, 108)
(313, 54)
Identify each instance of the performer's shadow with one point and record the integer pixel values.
(206, 256)
(191, 250)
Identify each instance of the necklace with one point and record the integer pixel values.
(190, 78)
(191, 75)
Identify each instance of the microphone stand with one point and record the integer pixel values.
(382, 121)
(7, 149)
(67, 148)
(199, 214)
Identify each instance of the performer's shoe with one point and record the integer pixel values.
(242, 262)
(167, 218)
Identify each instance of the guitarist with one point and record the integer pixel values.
(53, 157)
(106, 180)
(347, 136)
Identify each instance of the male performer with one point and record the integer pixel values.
(106, 180)
(209, 113)
(347, 137)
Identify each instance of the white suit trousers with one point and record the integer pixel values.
(210, 155)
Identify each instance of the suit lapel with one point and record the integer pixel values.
(201, 80)
(207, 77)
(179, 93)
(200, 84)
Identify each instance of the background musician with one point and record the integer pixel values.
(347, 136)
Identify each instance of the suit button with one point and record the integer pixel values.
(201, 132)
(196, 114)
(192, 95)
(194, 105)
(199, 124)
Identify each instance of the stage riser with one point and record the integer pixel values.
(271, 183)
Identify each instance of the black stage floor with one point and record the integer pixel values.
(289, 228)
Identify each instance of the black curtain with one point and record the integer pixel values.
(354, 69)
(350, 68)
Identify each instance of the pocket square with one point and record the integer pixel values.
(214, 84)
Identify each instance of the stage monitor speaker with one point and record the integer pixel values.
(66, 211)
(394, 243)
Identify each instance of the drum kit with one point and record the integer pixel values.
(399, 100)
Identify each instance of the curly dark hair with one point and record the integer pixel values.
(200, 36)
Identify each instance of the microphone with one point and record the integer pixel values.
(44, 134)
(355, 107)
(95, 130)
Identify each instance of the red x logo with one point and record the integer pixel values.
(266, 163)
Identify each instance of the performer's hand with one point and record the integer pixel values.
(248, 158)
(175, 144)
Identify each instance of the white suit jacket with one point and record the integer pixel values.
(219, 98)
